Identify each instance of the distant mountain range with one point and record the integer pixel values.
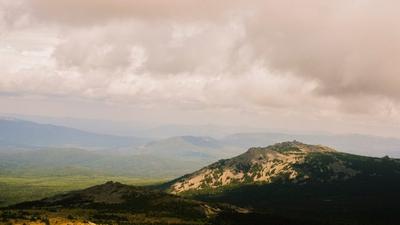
(20, 134)
(205, 149)
(28, 148)
(27, 135)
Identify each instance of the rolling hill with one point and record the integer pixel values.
(116, 203)
(203, 149)
(113, 203)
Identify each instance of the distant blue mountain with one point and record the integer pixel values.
(23, 134)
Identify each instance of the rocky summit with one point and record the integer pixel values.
(293, 162)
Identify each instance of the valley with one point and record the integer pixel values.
(16, 189)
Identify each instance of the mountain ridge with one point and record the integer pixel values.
(292, 162)
(16, 133)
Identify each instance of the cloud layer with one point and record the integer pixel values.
(333, 57)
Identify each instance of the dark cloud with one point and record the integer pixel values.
(350, 47)
(347, 50)
(98, 11)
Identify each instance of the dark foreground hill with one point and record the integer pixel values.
(113, 203)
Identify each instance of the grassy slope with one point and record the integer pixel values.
(15, 189)
(371, 197)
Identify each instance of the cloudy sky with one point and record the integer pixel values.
(307, 65)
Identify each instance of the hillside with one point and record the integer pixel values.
(112, 203)
(201, 149)
(119, 196)
(290, 162)
(116, 203)
(291, 180)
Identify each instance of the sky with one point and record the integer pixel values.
(311, 65)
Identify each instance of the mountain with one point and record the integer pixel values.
(351, 143)
(256, 165)
(20, 134)
(292, 162)
(292, 180)
(203, 149)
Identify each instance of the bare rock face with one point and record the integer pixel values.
(283, 162)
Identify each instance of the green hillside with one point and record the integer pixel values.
(300, 182)
(286, 162)
(27, 188)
